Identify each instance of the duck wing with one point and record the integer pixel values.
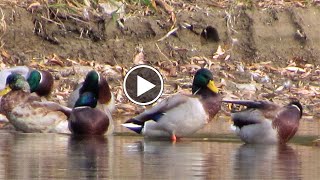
(74, 95)
(247, 117)
(52, 106)
(256, 112)
(248, 103)
(158, 110)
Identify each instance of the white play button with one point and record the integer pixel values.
(143, 86)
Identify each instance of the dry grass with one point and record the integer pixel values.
(3, 27)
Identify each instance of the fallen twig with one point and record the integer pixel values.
(165, 5)
(162, 52)
(168, 34)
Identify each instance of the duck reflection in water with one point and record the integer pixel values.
(88, 156)
(254, 161)
(166, 160)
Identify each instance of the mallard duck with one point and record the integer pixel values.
(99, 86)
(40, 81)
(266, 122)
(180, 115)
(86, 119)
(25, 112)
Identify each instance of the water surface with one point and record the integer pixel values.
(44, 156)
(213, 153)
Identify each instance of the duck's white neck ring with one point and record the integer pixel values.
(196, 91)
(296, 107)
(99, 77)
(41, 77)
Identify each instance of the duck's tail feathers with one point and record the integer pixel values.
(134, 125)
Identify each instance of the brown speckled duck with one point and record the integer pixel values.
(24, 111)
(180, 115)
(266, 122)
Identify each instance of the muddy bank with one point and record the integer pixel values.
(249, 35)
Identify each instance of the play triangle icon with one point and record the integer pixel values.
(143, 86)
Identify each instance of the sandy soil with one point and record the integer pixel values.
(250, 34)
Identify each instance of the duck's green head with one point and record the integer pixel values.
(34, 80)
(15, 82)
(91, 83)
(203, 79)
(86, 99)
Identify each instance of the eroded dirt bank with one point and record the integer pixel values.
(250, 35)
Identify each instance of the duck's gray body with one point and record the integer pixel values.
(264, 122)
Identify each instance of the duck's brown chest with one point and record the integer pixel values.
(212, 105)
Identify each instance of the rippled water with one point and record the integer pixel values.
(44, 156)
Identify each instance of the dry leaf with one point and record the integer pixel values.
(295, 69)
(218, 53)
(138, 58)
(33, 5)
(165, 6)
